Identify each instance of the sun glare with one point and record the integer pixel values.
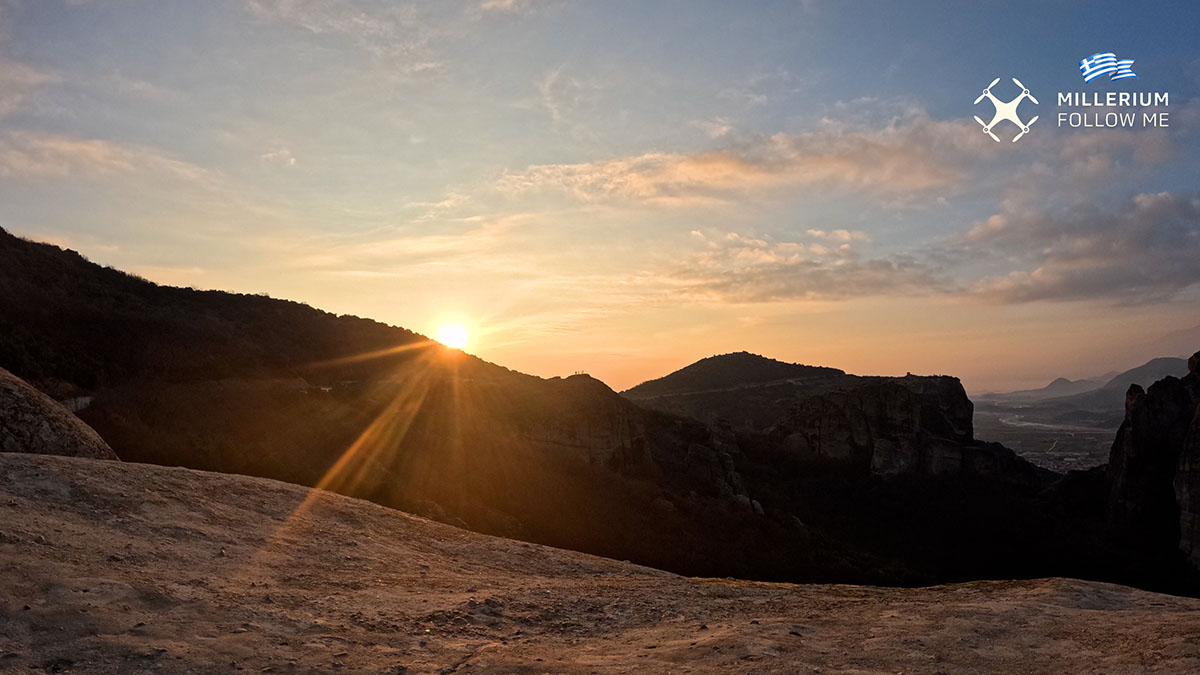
(453, 335)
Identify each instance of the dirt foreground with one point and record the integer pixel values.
(108, 567)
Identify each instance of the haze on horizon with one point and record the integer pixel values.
(625, 187)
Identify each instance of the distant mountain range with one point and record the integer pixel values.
(1112, 393)
(1059, 387)
(1104, 393)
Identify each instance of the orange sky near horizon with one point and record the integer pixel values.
(990, 347)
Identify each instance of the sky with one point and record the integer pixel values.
(624, 187)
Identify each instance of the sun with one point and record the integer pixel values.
(453, 335)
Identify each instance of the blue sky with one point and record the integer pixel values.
(624, 187)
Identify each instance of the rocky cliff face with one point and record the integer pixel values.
(891, 425)
(31, 422)
(1187, 478)
(888, 426)
(899, 426)
(1154, 465)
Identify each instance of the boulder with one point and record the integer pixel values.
(34, 423)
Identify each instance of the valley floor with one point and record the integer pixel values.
(108, 567)
(1059, 448)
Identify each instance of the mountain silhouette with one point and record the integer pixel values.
(727, 371)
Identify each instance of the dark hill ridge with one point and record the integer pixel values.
(68, 325)
(727, 371)
(862, 480)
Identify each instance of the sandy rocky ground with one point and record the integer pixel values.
(108, 567)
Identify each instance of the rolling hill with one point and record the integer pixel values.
(152, 569)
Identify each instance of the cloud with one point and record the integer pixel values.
(476, 243)
(281, 156)
(736, 268)
(143, 89)
(19, 83)
(395, 33)
(564, 95)
(715, 127)
(758, 88)
(509, 5)
(915, 156)
(840, 235)
(35, 155)
(145, 178)
(743, 97)
(1144, 251)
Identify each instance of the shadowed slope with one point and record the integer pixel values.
(114, 568)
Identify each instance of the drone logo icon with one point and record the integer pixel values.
(1006, 110)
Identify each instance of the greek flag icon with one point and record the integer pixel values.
(1106, 63)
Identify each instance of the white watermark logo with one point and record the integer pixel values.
(1006, 111)
(1112, 109)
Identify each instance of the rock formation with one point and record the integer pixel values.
(888, 426)
(32, 422)
(1145, 459)
(892, 425)
(1154, 468)
(1187, 478)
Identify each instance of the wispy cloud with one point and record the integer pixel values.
(564, 95)
(35, 155)
(902, 159)
(733, 267)
(478, 242)
(19, 83)
(840, 235)
(280, 156)
(144, 89)
(715, 127)
(511, 5)
(151, 184)
(396, 33)
(758, 88)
